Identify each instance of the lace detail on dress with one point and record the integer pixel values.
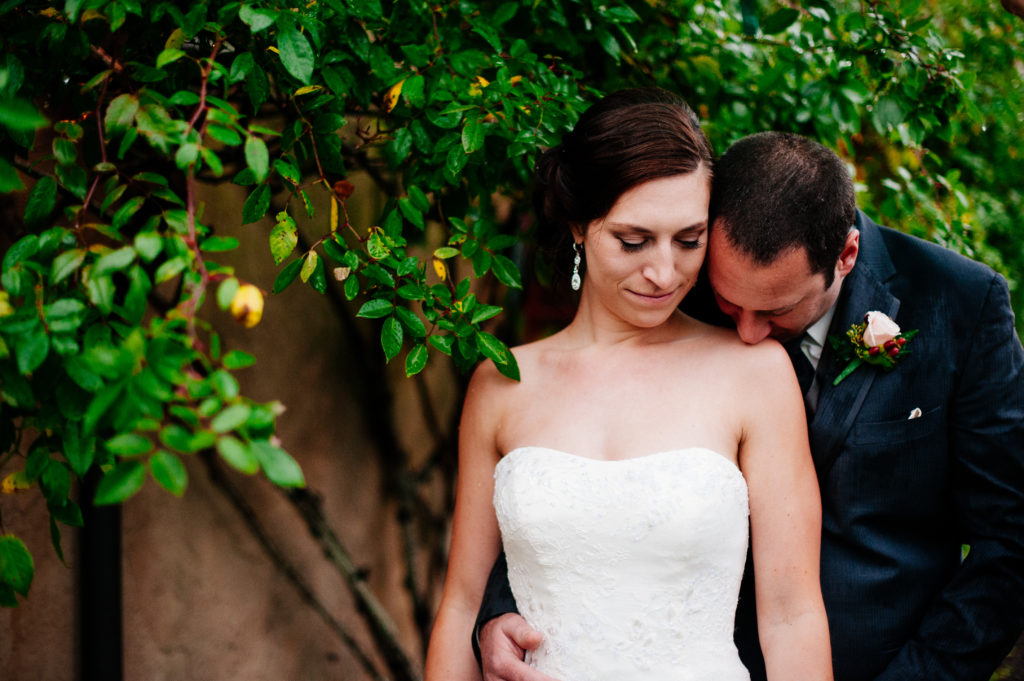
(630, 568)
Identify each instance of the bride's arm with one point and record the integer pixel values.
(785, 522)
(475, 536)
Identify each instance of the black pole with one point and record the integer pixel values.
(101, 635)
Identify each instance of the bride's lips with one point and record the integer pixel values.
(654, 298)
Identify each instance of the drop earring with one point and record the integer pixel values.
(575, 282)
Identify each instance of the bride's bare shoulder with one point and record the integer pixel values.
(530, 359)
(767, 356)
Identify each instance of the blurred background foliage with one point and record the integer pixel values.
(114, 112)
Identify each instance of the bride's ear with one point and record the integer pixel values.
(578, 232)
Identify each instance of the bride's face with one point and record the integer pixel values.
(645, 254)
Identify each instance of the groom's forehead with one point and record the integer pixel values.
(730, 266)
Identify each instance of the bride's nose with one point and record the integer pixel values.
(660, 267)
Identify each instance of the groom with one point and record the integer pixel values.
(912, 463)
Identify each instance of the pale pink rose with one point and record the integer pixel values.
(878, 329)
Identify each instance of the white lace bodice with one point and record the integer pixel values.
(630, 568)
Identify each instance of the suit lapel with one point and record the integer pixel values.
(864, 290)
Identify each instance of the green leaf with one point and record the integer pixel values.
(888, 112)
(120, 113)
(779, 21)
(78, 450)
(391, 337)
(278, 465)
(16, 566)
(226, 292)
(170, 269)
(19, 114)
(410, 212)
(120, 483)
(64, 315)
(65, 264)
(218, 244)
(257, 157)
(411, 322)
(375, 309)
(416, 360)
(129, 444)
(231, 418)
(169, 472)
(286, 276)
(55, 483)
(236, 359)
(283, 238)
(237, 454)
(498, 352)
(114, 261)
(168, 56)
(126, 211)
(32, 349)
(256, 205)
(296, 52)
(9, 182)
(506, 271)
(41, 202)
(455, 161)
(376, 247)
(472, 135)
(485, 312)
(73, 178)
(256, 19)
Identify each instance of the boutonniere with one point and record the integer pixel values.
(878, 340)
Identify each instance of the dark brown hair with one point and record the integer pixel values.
(774, 191)
(627, 138)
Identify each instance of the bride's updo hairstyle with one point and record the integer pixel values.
(627, 138)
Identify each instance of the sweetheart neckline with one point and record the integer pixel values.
(682, 450)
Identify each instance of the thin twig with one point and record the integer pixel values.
(277, 556)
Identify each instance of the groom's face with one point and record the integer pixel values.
(778, 300)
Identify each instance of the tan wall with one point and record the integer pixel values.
(202, 601)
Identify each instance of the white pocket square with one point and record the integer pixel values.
(915, 413)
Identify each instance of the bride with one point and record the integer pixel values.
(619, 473)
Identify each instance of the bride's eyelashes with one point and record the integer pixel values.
(636, 246)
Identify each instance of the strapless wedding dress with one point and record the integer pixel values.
(631, 569)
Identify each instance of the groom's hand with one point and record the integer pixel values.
(504, 641)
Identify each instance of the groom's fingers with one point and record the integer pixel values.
(525, 636)
(503, 643)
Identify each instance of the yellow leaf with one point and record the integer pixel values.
(308, 266)
(273, 49)
(305, 90)
(247, 306)
(334, 215)
(392, 95)
(479, 83)
(16, 482)
(439, 268)
(514, 79)
(175, 40)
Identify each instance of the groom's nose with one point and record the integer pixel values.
(751, 327)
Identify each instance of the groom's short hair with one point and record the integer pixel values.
(774, 191)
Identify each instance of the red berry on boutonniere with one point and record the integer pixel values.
(877, 341)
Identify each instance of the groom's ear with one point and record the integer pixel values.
(848, 256)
